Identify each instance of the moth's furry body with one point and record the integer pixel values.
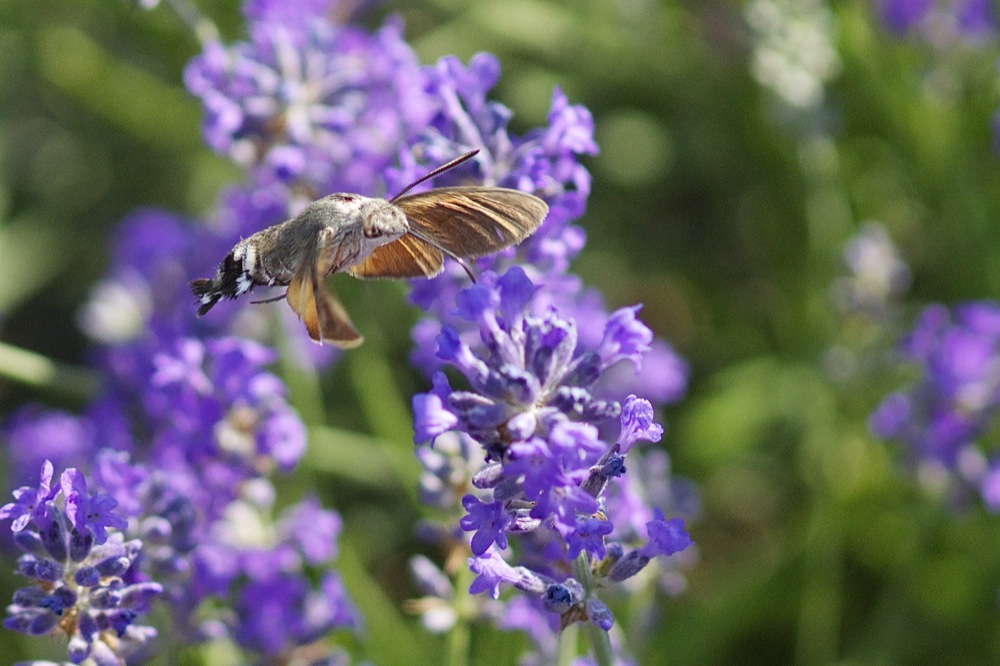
(348, 227)
(405, 237)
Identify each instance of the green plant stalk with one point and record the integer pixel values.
(569, 638)
(460, 636)
(599, 642)
(43, 373)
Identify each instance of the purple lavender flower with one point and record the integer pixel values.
(219, 387)
(545, 161)
(277, 615)
(901, 16)
(213, 421)
(530, 406)
(293, 15)
(33, 435)
(941, 24)
(944, 416)
(29, 502)
(84, 583)
(318, 106)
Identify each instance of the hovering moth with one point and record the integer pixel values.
(407, 236)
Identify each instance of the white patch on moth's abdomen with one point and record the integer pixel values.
(249, 260)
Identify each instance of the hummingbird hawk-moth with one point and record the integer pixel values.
(407, 236)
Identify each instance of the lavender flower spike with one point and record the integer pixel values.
(83, 585)
(530, 405)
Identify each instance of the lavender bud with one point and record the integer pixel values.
(508, 489)
(571, 400)
(599, 614)
(87, 577)
(59, 601)
(602, 410)
(430, 578)
(80, 543)
(78, 648)
(628, 566)
(615, 466)
(28, 596)
(120, 619)
(488, 476)
(54, 538)
(105, 597)
(29, 541)
(39, 569)
(139, 594)
(42, 624)
(522, 426)
(558, 599)
(113, 566)
(155, 530)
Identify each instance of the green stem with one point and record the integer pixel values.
(569, 637)
(604, 655)
(43, 373)
(304, 391)
(600, 643)
(460, 636)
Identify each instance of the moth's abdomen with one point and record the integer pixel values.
(236, 275)
(206, 292)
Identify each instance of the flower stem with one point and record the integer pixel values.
(569, 637)
(460, 636)
(600, 644)
(42, 372)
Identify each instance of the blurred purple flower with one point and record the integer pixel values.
(940, 23)
(901, 16)
(277, 614)
(942, 417)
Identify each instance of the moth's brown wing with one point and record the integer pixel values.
(324, 316)
(473, 221)
(407, 257)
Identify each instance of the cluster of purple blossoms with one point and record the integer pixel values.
(545, 162)
(86, 582)
(309, 106)
(531, 408)
(951, 28)
(189, 423)
(188, 440)
(184, 434)
(946, 417)
(940, 23)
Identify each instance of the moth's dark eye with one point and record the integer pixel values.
(347, 198)
(372, 232)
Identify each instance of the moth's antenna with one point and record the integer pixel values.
(461, 262)
(436, 172)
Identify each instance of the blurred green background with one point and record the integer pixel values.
(721, 200)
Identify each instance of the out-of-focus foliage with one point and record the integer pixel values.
(726, 189)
